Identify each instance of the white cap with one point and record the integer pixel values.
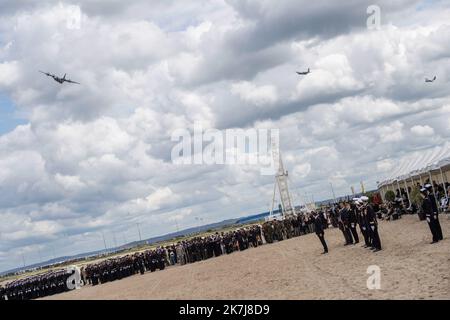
(364, 198)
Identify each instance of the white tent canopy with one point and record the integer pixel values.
(419, 162)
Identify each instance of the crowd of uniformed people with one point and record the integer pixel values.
(183, 252)
(349, 216)
(195, 249)
(37, 286)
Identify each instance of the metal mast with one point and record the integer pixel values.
(281, 177)
(282, 183)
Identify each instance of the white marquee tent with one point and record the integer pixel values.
(432, 164)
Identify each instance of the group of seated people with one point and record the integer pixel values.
(394, 210)
(443, 196)
(402, 204)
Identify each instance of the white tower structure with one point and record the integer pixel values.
(281, 181)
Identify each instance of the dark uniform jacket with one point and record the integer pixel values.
(427, 207)
(371, 216)
(318, 225)
(433, 203)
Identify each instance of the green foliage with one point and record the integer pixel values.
(416, 197)
(369, 195)
(389, 196)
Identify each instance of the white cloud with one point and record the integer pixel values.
(302, 170)
(331, 74)
(9, 73)
(385, 165)
(258, 95)
(422, 131)
(69, 183)
(392, 132)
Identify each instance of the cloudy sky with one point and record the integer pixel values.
(76, 161)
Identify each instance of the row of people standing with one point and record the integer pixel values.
(347, 217)
(292, 226)
(121, 267)
(360, 212)
(37, 286)
(183, 252)
(202, 248)
(187, 251)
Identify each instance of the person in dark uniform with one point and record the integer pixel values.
(435, 212)
(362, 223)
(345, 224)
(352, 221)
(2, 293)
(319, 229)
(373, 224)
(37, 286)
(427, 208)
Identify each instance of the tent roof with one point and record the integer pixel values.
(419, 162)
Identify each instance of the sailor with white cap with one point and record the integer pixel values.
(430, 193)
(363, 225)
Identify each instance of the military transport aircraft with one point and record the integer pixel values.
(58, 79)
(303, 73)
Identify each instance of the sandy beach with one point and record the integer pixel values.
(411, 268)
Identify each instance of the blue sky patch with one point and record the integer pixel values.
(8, 117)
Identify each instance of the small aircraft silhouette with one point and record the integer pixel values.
(430, 80)
(303, 73)
(58, 79)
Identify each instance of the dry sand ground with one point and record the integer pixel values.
(411, 268)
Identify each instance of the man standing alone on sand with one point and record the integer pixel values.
(318, 227)
(435, 212)
(430, 214)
